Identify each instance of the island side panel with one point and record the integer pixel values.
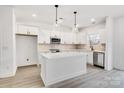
(60, 69)
(43, 62)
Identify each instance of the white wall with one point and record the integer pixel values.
(109, 44)
(118, 54)
(26, 48)
(7, 42)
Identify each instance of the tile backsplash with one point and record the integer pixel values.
(62, 47)
(67, 47)
(100, 47)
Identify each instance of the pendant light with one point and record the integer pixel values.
(56, 21)
(56, 26)
(75, 29)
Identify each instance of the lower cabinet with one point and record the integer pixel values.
(90, 58)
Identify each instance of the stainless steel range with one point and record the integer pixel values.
(54, 50)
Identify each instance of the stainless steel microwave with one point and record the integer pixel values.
(55, 40)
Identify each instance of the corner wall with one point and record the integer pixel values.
(118, 53)
(109, 44)
(7, 42)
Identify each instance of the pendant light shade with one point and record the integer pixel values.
(75, 29)
(56, 26)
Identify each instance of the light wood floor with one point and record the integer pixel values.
(26, 77)
(95, 78)
(29, 77)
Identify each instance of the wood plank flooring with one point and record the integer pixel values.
(95, 78)
(29, 77)
(26, 77)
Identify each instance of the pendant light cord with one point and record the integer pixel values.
(56, 14)
(75, 18)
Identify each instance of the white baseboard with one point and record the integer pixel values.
(11, 74)
(5, 75)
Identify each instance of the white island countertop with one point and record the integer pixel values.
(61, 54)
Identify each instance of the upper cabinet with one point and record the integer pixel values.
(44, 37)
(55, 33)
(81, 37)
(27, 29)
(95, 32)
(101, 33)
(68, 37)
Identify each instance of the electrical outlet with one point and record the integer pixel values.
(27, 60)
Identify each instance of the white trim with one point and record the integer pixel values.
(5, 75)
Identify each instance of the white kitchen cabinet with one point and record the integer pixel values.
(27, 30)
(55, 34)
(90, 58)
(64, 38)
(61, 66)
(74, 38)
(101, 32)
(78, 39)
(82, 38)
(44, 37)
(67, 38)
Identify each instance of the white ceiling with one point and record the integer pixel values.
(46, 13)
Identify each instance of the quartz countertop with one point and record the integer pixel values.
(61, 54)
(75, 50)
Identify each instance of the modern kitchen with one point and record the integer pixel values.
(60, 46)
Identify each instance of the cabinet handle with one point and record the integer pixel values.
(28, 33)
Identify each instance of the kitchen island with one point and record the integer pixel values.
(56, 67)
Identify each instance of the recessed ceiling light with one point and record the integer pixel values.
(34, 15)
(93, 20)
